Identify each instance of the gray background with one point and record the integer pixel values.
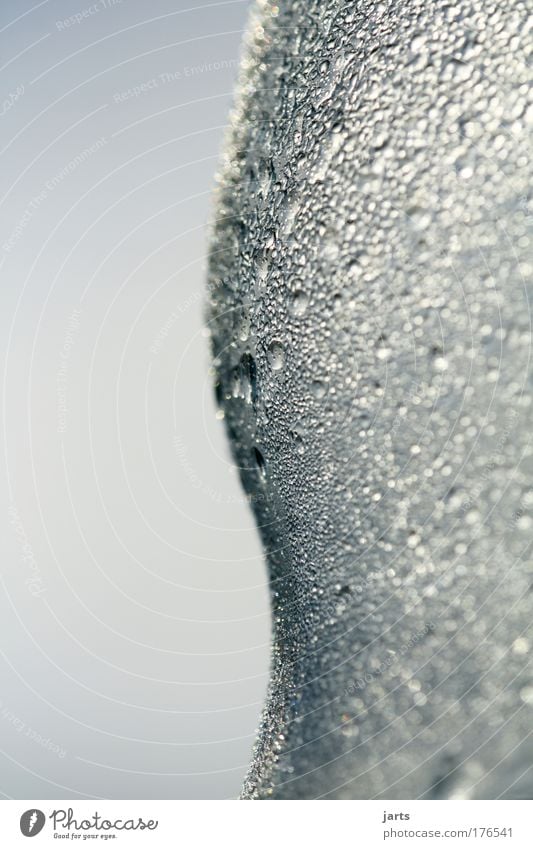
(134, 611)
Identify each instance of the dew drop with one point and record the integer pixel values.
(243, 326)
(299, 303)
(276, 356)
(248, 378)
(318, 388)
(259, 462)
(520, 646)
(440, 363)
(298, 435)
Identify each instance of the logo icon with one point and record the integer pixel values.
(32, 822)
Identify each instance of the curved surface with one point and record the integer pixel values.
(370, 281)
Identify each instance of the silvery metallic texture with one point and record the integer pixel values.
(370, 287)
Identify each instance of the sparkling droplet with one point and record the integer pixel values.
(276, 356)
(520, 646)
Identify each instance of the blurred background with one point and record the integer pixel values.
(134, 608)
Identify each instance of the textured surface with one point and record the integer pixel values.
(369, 282)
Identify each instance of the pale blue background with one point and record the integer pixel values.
(134, 612)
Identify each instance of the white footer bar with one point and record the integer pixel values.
(302, 824)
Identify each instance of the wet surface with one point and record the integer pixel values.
(371, 274)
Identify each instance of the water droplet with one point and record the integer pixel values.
(243, 326)
(299, 302)
(523, 523)
(298, 434)
(440, 364)
(348, 727)
(318, 388)
(331, 252)
(276, 355)
(520, 646)
(259, 462)
(248, 378)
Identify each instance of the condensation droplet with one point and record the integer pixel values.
(276, 356)
(520, 646)
(259, 462)
(248, 378)
(318, 388)
(298, 303)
